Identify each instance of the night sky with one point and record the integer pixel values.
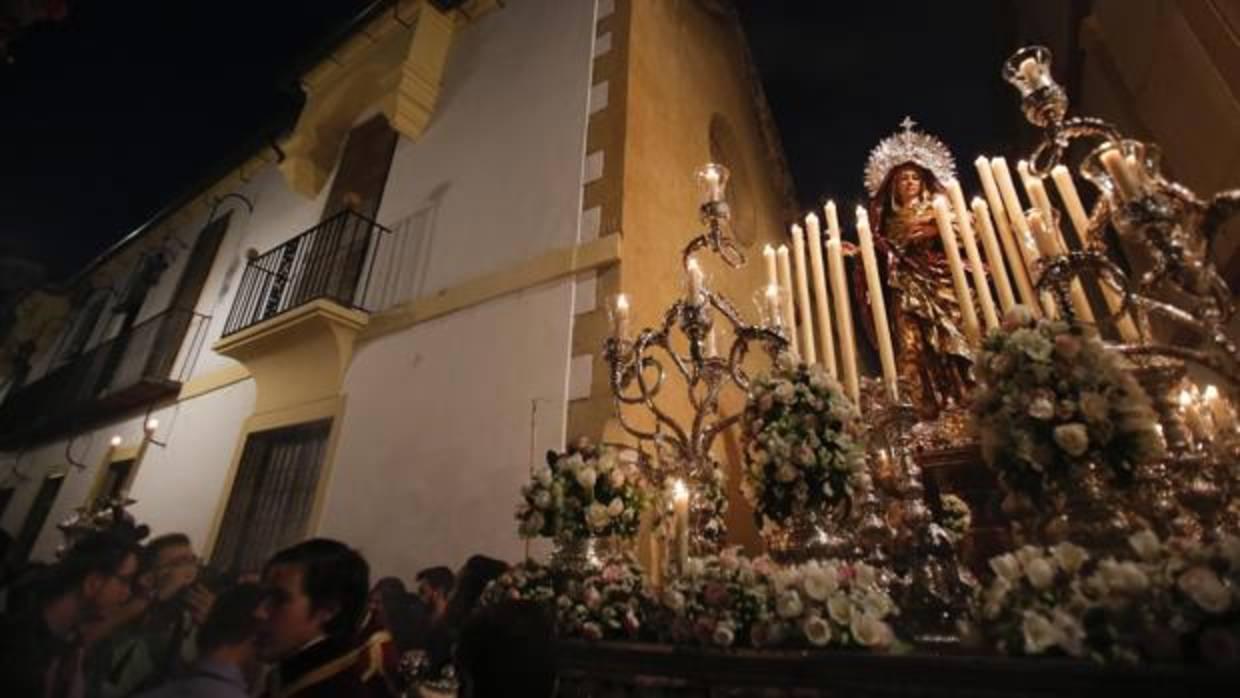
(112, 112)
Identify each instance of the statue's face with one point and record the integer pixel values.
(908, 184)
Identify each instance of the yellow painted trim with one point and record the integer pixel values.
(316, 410)
(553, 265)
(210, 382)
(422, 71)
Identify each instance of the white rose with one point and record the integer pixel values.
(1093, 406)
(1006, 566)
(616, 478)
(724, 635)
(1040, 634)
(1071, 633)
(1040, 572)
(839, 607)
(674, 600)
(1206, 590)
(571, 463)
(1072, 438)
(542, 475)
(786, 473)
(1042, 408)
(869, 631)
(818, 584)
(607, 461)
(1145, 544)
(596, 516)
(817, 630)
(789, 604)
(616, 507)
(586, 477)
(1069, 557)
(785, 392)
(865, 575)
(532, 525)
(542, 499)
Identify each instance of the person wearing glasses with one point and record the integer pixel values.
(159, 643)
(40, 646)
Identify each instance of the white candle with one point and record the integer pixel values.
(820, 292)
(772, 276)
(1125, 180)
(680, 511)
(967, 236)
(710, 349)
(1049, 246)
(1028, 252)
(1034, 255)
(965, 299)
(772, 306)
(802, 288)
(994, 255)
(1011, 249)
(622, 316)
(1030, 69)
(843, 316)
(878, 306)
(786, 300)
(1080, 302)
(1080, 220)
(695, 280)
(843, 310)
(1036, 192)
(713, 190)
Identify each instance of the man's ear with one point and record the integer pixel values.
(325, 613)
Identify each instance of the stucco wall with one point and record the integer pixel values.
(436, 428)
(687, 65)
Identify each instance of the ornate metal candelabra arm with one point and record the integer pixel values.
(715, 215)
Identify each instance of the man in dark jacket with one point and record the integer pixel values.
(309, 621)
(40, 646)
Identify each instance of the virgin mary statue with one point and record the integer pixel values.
(933, 359)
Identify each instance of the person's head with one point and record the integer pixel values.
(98, 572)
(435, 588)
(473, 578)
(230, 632)
(506, 650)
(312, 589)
(908, 183)
(174, 566)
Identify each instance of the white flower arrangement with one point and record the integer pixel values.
(802, 447)
(731, 601)
(585, 492)
(1051, 397)
(610, 602)
(1175, 600)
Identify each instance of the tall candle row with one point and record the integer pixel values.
(825, 277)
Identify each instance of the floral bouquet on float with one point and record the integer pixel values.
(585, 492)
(1176, 600)
(731, 601)
(802, 445)
(1051, 397)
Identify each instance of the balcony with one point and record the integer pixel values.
(299, 308)
(135, 368)
(332, 261)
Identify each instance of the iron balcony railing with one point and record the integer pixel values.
(144, 363)
(333, 260)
